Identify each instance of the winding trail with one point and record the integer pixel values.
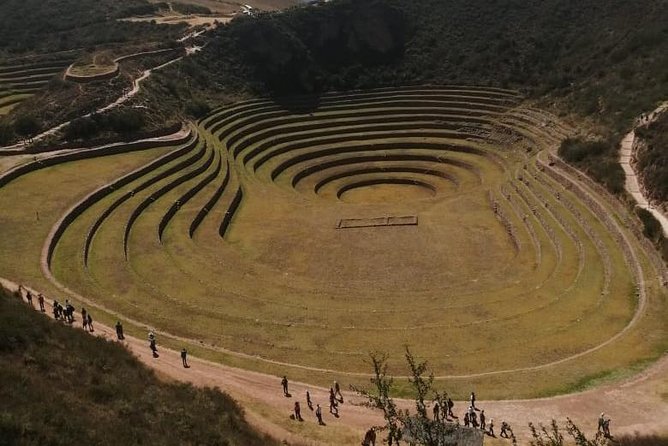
(126, 96)
(636, 404)
(632, 183)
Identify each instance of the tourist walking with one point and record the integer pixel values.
(473, 400)
(119, 331)
(490, 429)
(505, 428)
(466, 419)
(333, 404)
(29, 298)
(153, 344)
(84, 318)
(56, 316)
(284, 384)
(606, 428)
(40, 300)
(337, 392)
(90, 323)
(298, 412)
(436, 411)
(318, 415)
(184, 358)
(451, 404)
(369, 438)
(482, 420)
(309, 403)
(69, 311)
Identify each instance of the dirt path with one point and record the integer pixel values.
(632, 184)
(637, 404)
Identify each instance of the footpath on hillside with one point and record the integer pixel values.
(635, 405)
(632, 183)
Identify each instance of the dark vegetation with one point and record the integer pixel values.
(61, 385)
(121, 121)
(653, 231)
(598, 158)
(187, 8)
(47, 26)
(606, 58)
(652, 158)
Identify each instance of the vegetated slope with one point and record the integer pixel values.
(652, 158)
(57, 25)
(598, 158)
(49, 35)
(608, 57)
(61, 385)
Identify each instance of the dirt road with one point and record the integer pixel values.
(637, 404)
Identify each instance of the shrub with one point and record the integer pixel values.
(597, 158)
(27, 126)
(651, 226)
(187, 8)
(6, 133)
(197, 108)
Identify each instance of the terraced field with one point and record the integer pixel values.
(296, 237)
(19, 80)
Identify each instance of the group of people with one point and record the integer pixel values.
(153, 345)
(604, 425)
(335, 398)
(29, 297)
(479, 421)
(66, 313)
(87, 320)
(60, 312)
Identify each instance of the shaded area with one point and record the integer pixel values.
(66, 384)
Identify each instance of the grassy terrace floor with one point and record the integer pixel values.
(512, 282)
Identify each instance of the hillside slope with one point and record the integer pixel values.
(607, 58)
(652, 158)
(47, 26)
(61, 385)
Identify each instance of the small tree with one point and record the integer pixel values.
(543, 436)
(414, 428)
(26, 126)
